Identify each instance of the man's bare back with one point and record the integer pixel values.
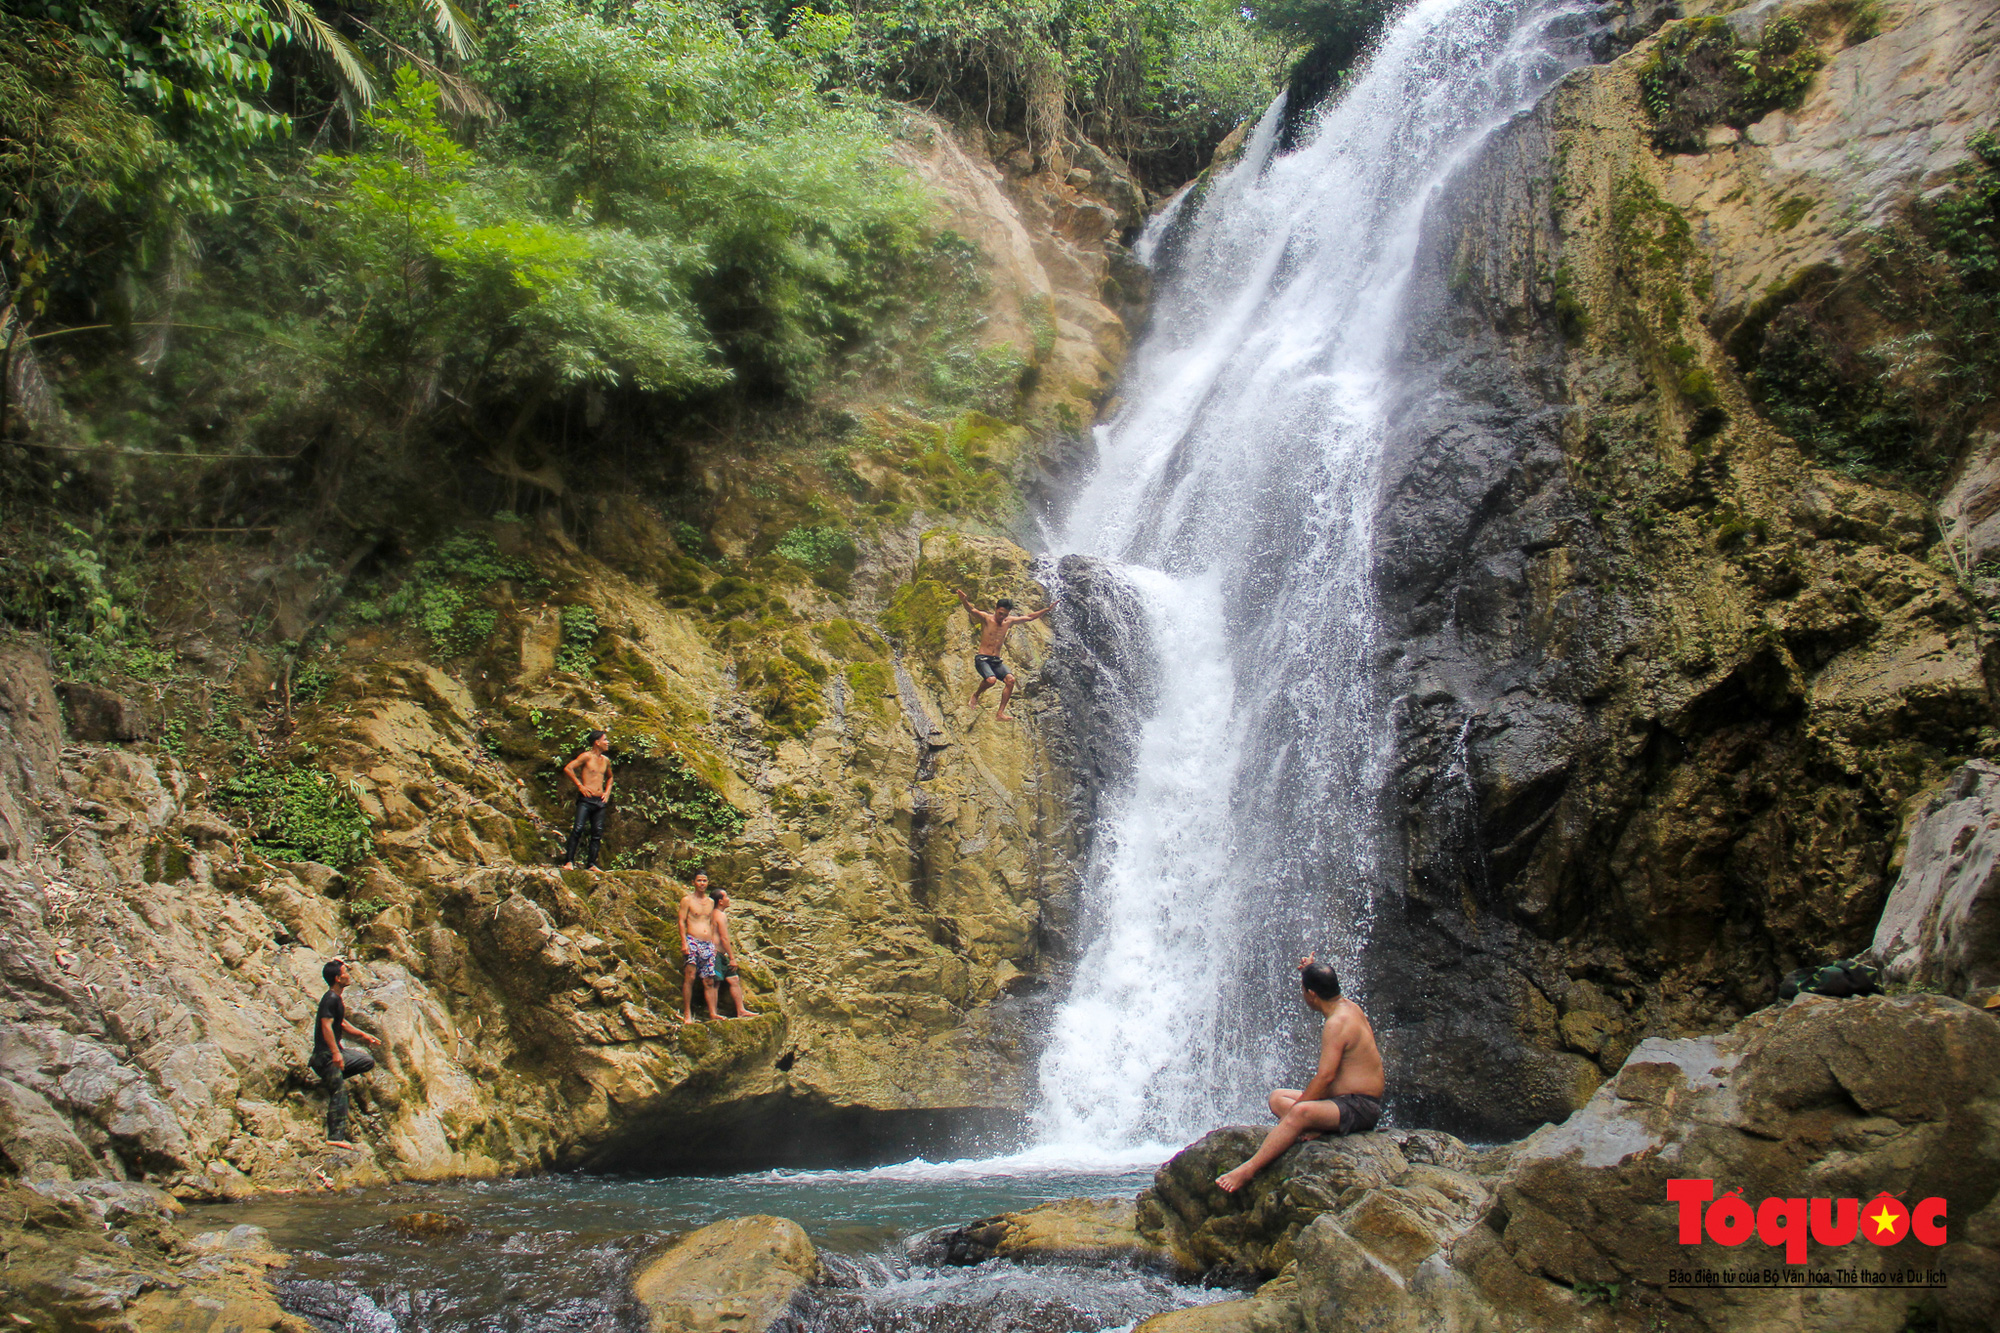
(1357, 1060)
(1345, 1093)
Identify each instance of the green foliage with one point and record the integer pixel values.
(431, 265)
(57, 580)
(920, 616)
(361, 910)
(771, 213)
(296, 813)
(441, 594)
(819, 547)
(1701, 75)
(1832, 401)
(681, 795)
(579, 640)
(1148, 78)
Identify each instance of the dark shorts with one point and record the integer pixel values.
(725, 966)
(992, 668)
(1359, 1112)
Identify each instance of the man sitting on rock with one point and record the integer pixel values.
(697, 920)
(993, 627)
(332, 1063)
(1344, 1097)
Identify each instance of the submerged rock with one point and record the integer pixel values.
(429, 1224)
(743, 1275)
(1066, 1231)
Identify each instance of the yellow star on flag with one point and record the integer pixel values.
(1885, 1222)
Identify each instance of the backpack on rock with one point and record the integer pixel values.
(1836, 980)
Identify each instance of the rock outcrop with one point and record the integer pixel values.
(1254, 1234)
(116, 1259)
(1666, 685)
(1940, 929)
(1573, 1228)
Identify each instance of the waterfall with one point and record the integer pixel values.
(1236, 491)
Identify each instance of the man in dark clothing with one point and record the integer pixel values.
(330, 1061)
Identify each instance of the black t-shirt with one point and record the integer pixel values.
(333, 1007)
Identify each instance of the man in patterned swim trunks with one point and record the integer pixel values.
(1344, 1097)
(697, 922)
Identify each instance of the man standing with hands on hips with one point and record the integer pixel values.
(590, 770)
(333, 1063)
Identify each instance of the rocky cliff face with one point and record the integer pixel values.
(1669, 682)
(784, 672)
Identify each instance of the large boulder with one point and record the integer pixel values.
(1941, 926)
(742, 1275)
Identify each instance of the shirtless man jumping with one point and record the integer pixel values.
(993, 627)
(697, 921)
(1344, 1097)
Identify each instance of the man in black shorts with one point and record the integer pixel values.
(725, 954)
(333, 1063)
(993, 627)
(1344, 1097)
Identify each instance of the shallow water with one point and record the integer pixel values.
(553, 1253)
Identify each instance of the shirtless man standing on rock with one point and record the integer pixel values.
(993, 627)
(697, 921)
(1344, 1097)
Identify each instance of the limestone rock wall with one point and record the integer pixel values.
(1669, 688)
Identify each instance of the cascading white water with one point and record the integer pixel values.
(1237, 488)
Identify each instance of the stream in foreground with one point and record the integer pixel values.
(552, 1254)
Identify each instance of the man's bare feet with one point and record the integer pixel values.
(687, 1017)
(1004, 716)
(567, 865)
(343, 1143)
(1232, 1181)
(748, 1013)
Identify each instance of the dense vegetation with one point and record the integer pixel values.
(301, 299)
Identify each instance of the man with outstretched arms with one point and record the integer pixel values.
(1344, 1097)
(697, 920)
(590, 770)
(993, 627)
(332, 1063)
